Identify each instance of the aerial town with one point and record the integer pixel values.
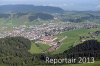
(44, 33)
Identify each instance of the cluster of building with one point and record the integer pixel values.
(44, 33)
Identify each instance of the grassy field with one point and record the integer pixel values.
(44, 47)
(73, 38)
(38, 48)
(35, 49)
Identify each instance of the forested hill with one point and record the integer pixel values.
(14, 51)
(90, 48)
(29, 8)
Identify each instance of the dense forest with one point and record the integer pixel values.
(14, 51)
(90, 48)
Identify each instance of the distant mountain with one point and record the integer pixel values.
(29, 8)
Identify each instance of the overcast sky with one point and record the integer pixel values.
(65, 4)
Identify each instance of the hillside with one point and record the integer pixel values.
(12, 19)
(73, 38)
(14, 51)
(80, 16)
(31, 18)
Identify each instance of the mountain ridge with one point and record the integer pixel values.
(30, 8)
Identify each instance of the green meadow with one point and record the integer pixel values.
(38, 48)
(73, 38)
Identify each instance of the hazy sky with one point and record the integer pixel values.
(66, 4)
